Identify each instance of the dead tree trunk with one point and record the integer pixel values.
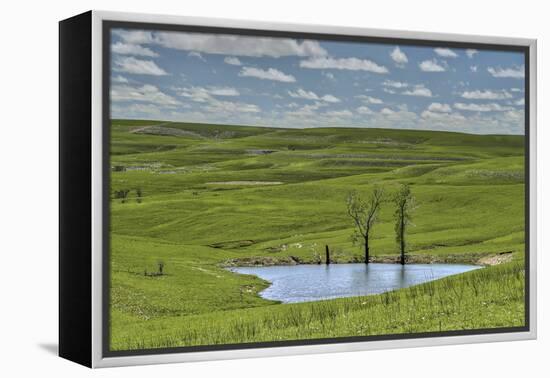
(327, 255)
(366, 250)
(402, 240)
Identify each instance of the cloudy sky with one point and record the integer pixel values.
(281, 82)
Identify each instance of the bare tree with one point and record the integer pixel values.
(404, 206)
(364, 214)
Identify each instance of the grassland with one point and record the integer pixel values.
(202, 197)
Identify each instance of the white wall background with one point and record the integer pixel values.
(28, 185)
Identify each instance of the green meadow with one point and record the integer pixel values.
(190, 200)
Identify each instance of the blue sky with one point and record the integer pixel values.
(282, 82)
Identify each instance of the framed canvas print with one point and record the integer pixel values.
(236, 189)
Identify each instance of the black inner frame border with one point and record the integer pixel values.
(108, 25)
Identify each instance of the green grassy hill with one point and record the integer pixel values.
(201, 197)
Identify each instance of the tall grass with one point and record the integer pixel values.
(485, 298)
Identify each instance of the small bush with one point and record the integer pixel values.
(121, 194)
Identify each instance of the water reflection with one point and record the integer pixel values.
(303, 283)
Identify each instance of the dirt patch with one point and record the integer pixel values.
(463, 258)
(283, 247)
(264, 261)
(501, 258)
(429, 259)
(466, 258)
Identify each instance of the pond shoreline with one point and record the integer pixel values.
(483, 259)
(312, 283)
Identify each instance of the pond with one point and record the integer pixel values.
(305, 283)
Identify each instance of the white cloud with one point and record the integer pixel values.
(401, 118)
(306, 110)
(196, 54)
(514, 115)
(119, 79)
(492, 107)
(446, 53)
(515, 72)
(138, 67)
(370, 100)
(146, 93)
(196, 94)
(208, 98)
(439, 108)
(232, 60)
(330, 98)
(136, 109)
(471, 53)
(516, 90)
(353, 64)
(473, 68)
(521, 101)
(210, 102)
(223, 91)
(226, 44)
(431, 66)
(135, 36)
(486, 95)
(339, 113)
(329, 75)
(395, 84)
(420, 91)
(309, 95)
(442, 116)
(130, 49)
(399, 57)
(204, 94)
(269, 74)
(364, 110)
(300, 93)
(231, 107)
(417, 90)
